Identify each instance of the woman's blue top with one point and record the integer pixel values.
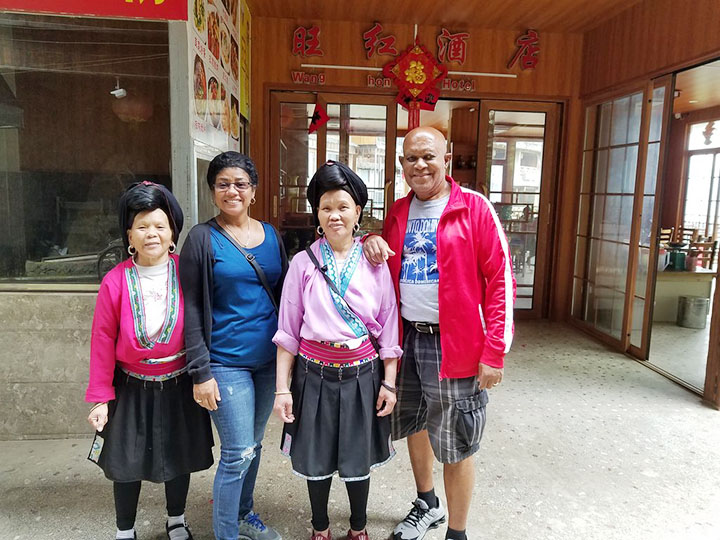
(244, 319)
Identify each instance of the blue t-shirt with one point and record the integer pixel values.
(244, 320)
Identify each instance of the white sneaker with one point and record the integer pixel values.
(419, 521)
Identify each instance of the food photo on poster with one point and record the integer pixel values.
(234, 118)
(200, 86)
(216, 73)
(213, 32)
(234, 59)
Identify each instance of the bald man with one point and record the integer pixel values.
(456, 290)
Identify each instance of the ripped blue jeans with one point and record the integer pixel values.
(247, 396)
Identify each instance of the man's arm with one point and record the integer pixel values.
(496, 267)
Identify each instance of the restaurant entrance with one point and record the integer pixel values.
(506, 150)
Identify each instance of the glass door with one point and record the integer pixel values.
(360, 132)
(518, 147)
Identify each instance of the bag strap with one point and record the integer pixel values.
(251, 259)
(331, 284)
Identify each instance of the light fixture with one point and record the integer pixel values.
(694, 101)
(118, 91)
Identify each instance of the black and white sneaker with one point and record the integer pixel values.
(419, 521)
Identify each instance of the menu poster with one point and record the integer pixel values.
(245, 24)
(215, 69)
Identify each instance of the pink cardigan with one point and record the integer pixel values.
(118, 331)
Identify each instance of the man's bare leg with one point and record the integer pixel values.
(459, 481)
(421, 459)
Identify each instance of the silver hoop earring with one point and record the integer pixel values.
(172, 247)
(131, 250)
(356, 227)
(320, 231)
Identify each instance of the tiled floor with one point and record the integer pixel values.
(581, 444)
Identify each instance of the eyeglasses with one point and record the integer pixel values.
(225, 186)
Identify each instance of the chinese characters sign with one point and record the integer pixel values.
(139, 9)
(306, 41)
(374, 43)
(528, 47)
(452, 47)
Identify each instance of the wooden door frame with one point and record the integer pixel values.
(548, 189)
(323, 98)
(273, 190)
(643, 352)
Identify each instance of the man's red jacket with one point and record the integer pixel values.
(476, 292)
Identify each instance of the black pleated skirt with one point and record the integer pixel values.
(336, 428)
(155, 431)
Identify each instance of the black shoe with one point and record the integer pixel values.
(183, 525)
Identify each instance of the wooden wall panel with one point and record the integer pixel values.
(650, 39)
(557, 78)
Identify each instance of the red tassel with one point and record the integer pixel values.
(413, 115)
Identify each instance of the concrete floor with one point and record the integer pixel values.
(581, 443)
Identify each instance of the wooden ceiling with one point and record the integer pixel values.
(697, 88)
(563, 16)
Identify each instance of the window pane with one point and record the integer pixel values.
(642, 272)
(611, 219)
(704, 136)
(601, 172)
(651, 170)
(634, 120)
(646, 222)
(637, 321)
(69, 147)
(628, 183)
(626, 213)
(598, 209)
(604, 133)
(580, 256)
(658, 101)
(620, 115)
(616, 170)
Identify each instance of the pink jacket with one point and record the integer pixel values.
(117, 334)
(477, 286)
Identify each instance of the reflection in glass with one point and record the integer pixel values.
(68, 148)
(515, 156)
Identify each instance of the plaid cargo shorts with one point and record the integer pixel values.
(452, 410)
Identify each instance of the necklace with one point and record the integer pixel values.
(225, 226)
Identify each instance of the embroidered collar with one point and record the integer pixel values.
(137, 306)
(342, 281)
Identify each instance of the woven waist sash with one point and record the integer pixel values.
(332, 354)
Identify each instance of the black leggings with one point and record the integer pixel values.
(357, 494)
(128, 493)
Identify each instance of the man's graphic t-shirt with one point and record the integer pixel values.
(419, 275)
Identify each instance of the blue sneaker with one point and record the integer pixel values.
(252, 528)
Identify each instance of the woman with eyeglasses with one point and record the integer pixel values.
(338, 336)
(148, 424)
(232, 269)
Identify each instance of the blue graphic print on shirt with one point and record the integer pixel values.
(419, 258)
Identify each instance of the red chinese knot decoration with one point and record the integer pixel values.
(528, 48)
(306, 41)
(416, 74)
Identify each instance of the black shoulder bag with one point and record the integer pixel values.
(251, 259)
(323, 271)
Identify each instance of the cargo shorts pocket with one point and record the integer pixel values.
(471, 418)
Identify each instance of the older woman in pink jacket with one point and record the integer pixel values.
(148, 425)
